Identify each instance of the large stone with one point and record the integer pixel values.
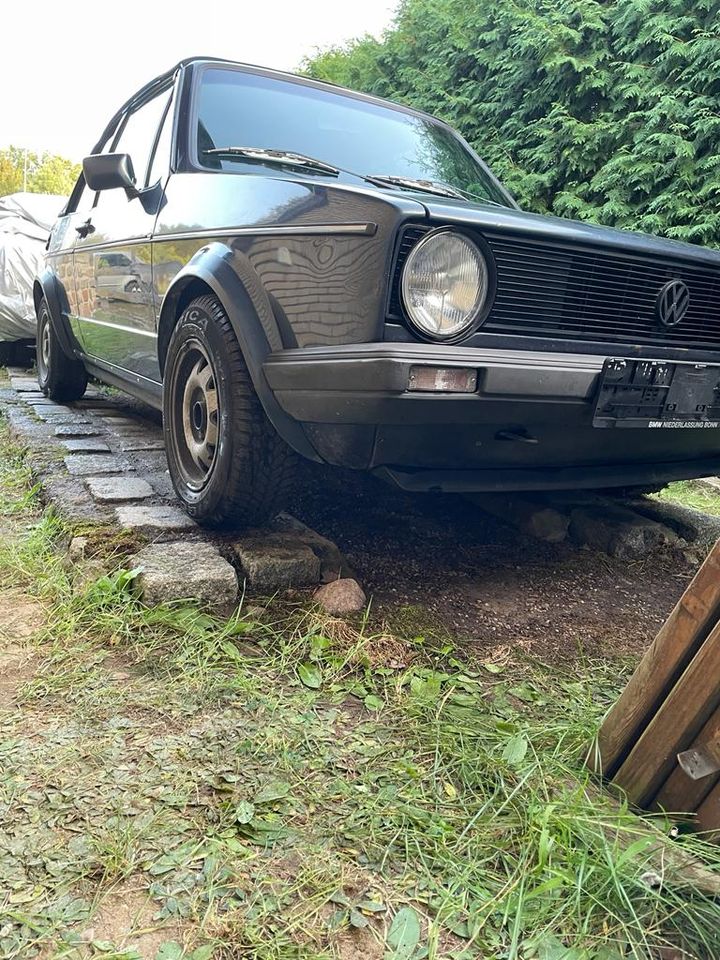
(333, 564)
(532, 515)
(71, 500)
(141, 443)
(118, 422)
(86, 445)
(117, 489)
(47, 407)
(186, 571)
(24, 384)
(341, 597)
(89, 464)
(702, 530)
(76, 430)
(618, 531)
(154, 520)
(275, 561)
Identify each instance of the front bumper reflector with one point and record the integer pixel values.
(443, 379)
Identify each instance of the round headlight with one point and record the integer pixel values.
(444, 284)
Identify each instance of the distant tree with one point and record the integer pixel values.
(43, 173)
(603, 110)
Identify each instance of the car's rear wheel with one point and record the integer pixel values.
(61, 377)
(227, 464)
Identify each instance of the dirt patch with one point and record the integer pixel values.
(125, 919)
(20, 619)
(17, 666)
(487, 584)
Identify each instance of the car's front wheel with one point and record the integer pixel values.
(227, 464)
(61, 377)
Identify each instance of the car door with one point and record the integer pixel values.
(112, 257)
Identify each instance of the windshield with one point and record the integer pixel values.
(238, 109)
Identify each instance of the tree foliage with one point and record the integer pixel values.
(603, 111)
(43, 173)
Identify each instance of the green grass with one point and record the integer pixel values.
(689, 493)
(285, 785)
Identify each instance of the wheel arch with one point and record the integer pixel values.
(216, 270)
(48, 287)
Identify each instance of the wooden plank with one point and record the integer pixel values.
(708, 816)
(679, 639)
(678, 721)
(681, 794)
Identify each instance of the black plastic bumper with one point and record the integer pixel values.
(527, 426)
(368, 383)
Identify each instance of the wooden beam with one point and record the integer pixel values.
(678, 641)
(708, 816)
(680, 793)
(676, 724)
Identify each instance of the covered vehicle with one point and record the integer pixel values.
(287, 267)
(25, 222)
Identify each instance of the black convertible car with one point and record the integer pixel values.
(286, 267)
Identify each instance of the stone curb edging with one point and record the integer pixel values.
(100, 461)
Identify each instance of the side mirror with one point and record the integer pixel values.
(106, 171)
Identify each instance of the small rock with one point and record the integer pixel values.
(341, 597)
(275, 561)
(117, 489)
(77, 549)
(186, 571)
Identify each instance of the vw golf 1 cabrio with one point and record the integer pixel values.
(286, 267)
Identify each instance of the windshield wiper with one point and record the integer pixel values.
(286, 158)
(283, 158)
(409, 183)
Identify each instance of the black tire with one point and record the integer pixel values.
(227, 464)
(61, 377)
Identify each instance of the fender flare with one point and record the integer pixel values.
(231, 277)
(49, 288)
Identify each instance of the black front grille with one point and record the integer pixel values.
(553, 290)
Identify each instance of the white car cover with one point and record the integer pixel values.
(25, 222)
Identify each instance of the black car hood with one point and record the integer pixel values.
(507, 220)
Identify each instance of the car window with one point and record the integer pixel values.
(86, 201)
(160, 163)
(235, 108)
(137, 137)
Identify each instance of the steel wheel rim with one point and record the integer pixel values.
(196, 415)
(44, 351)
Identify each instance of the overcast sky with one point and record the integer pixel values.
(65, 67)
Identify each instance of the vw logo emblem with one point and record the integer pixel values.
(672, 303)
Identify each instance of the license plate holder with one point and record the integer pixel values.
(655, 394)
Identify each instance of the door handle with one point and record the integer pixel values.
(84, 229)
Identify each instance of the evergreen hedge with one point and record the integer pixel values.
(608, 112)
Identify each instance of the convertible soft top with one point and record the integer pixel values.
(25, 222)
